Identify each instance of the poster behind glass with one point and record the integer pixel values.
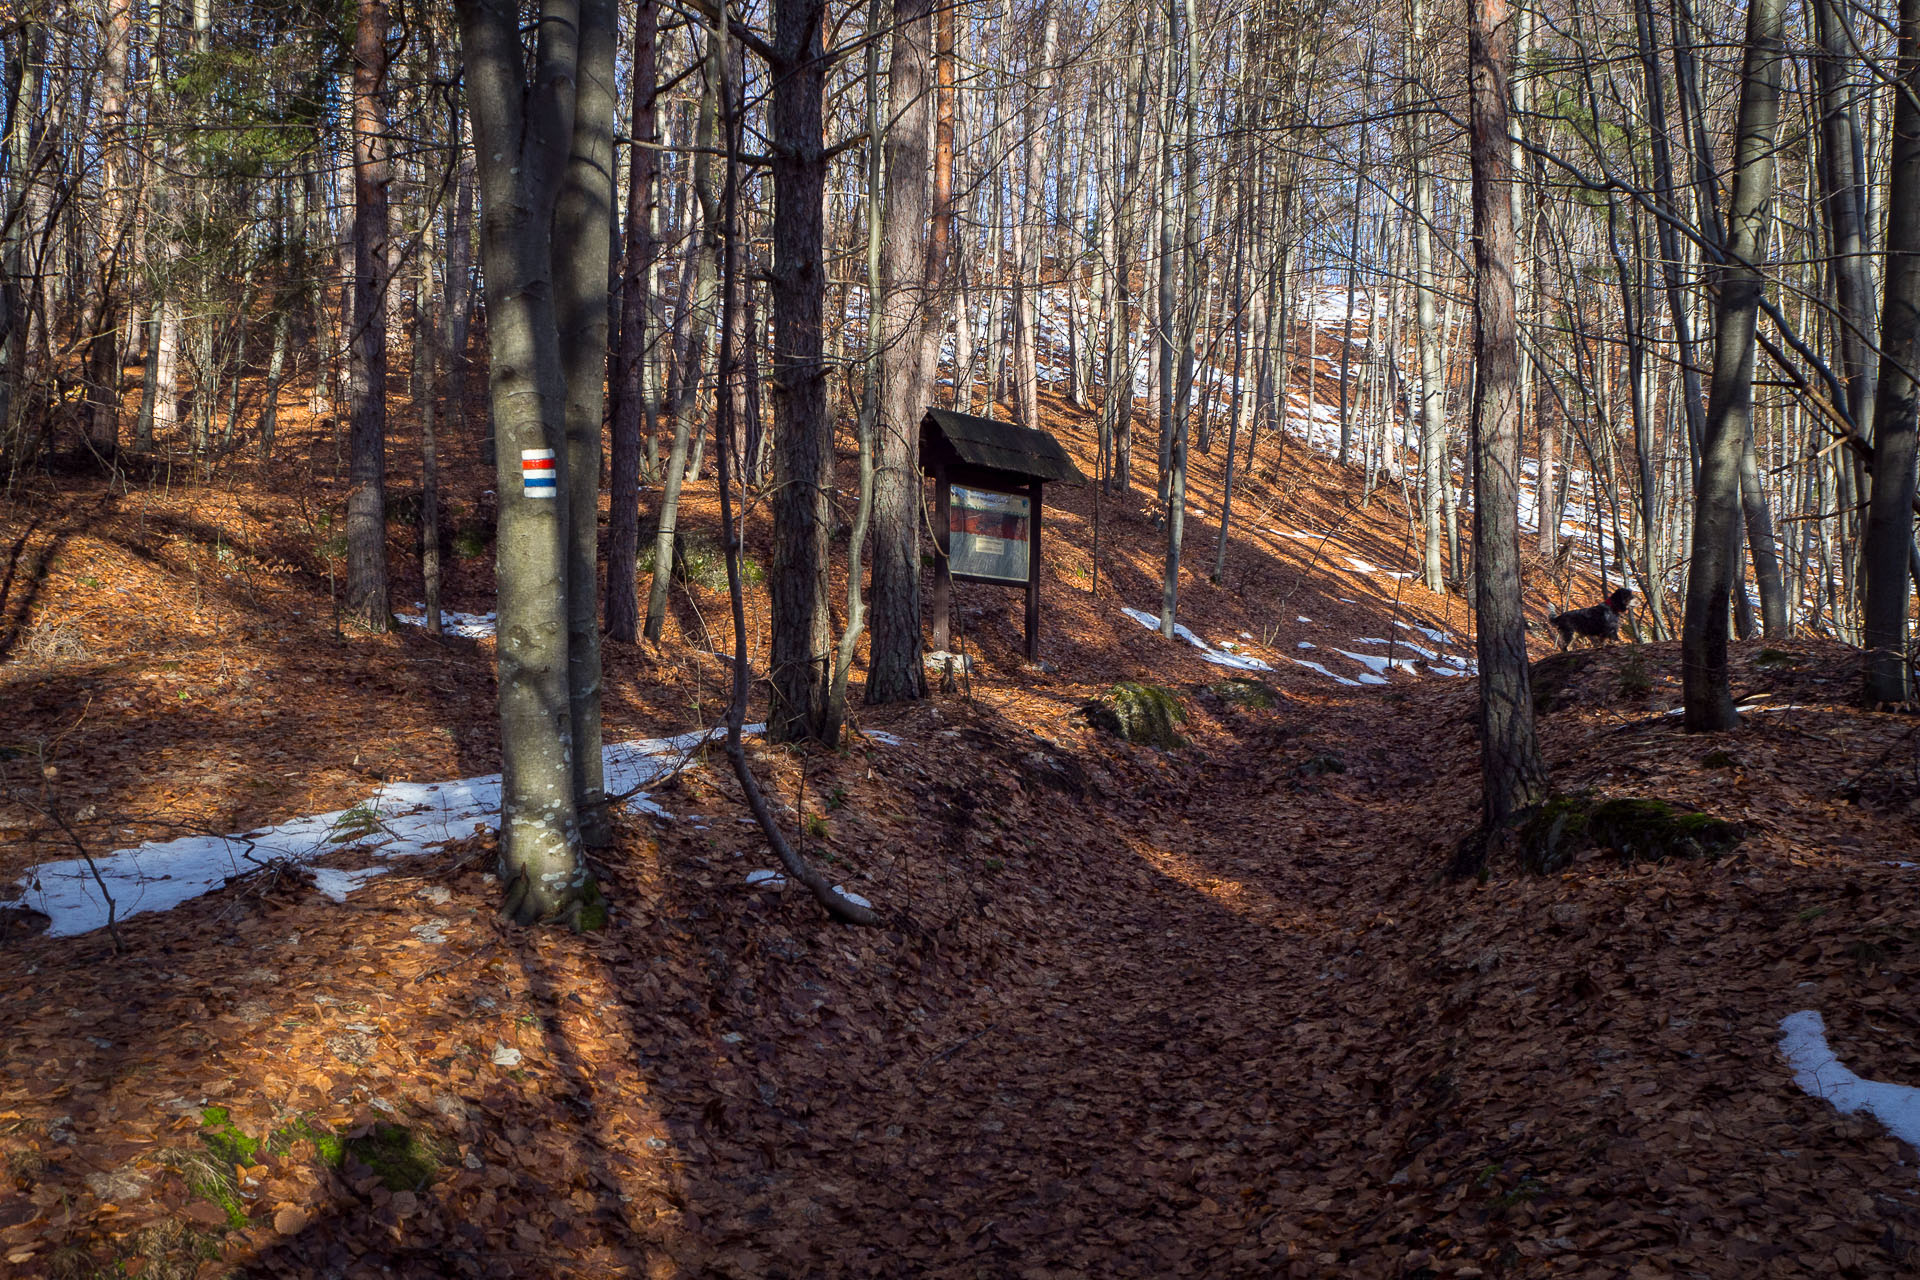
(990, 534)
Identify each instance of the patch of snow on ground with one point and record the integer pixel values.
(1438, 637)
(471, 626)
(401, 819)
(882, 737)
(1379, 665)
(1238, 661)
(1803, 1043)
(337, 884)
(1314, 666)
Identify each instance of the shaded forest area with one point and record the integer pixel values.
(479, 797)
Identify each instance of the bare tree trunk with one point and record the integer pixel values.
(582, 266)
(631, 410)
(1889, 539)
(803, 434)
(1030, 221)
(524, 123)
(913, 288)
(1512, 775)
(1433, 390)
(367, 601)
(1708, 699)
(696, 328)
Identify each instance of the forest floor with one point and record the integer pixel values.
(1203, 1011)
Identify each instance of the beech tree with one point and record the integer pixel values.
(530, 130)
(1708, 699)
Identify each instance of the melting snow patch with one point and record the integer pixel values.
(1907, 865)
(1438, 637)
(882, 737)
(1306, 644)
(1361, 566)
(1303, 618)
(1377, 664)
(767, 879)
(1314, 666)
(1803, 1043)
(401, 819)
(1238, 661)
(852, 897)
(471, 626)
(337, 884)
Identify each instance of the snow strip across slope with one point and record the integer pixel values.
(471, 626)
(1803, 1043)
(1218, 657)
(399, 820)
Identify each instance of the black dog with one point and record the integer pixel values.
(1600, 622)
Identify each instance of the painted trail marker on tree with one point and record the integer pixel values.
(537, 474)
(987, 477)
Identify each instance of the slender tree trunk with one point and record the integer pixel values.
(1889, 539)
(629, 388)
(696, 328)
(912, 284)
(1433, 389)
(523, 125)
(581, 268)
(1708, 698)
(1512, 775)
(367, 601)
(803, 438)
(1029, 233)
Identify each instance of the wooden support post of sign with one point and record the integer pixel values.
(942, 548)
(1033, 572)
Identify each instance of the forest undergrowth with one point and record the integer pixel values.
(1209, 1011)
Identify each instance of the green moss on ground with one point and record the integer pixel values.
(1142, 713)
(398, 1156)
(1244, 691)
(1636, 830)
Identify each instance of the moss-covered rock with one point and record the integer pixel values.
(1142, 713)
(1636, 830)
(1245, 691)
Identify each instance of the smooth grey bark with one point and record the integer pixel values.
(582, 265)
(367, 601)
(1889, 536)
(1175, 386)
(803, 433)
(631, 414)
(912, 282)
(1028, 238)
(1430, 339)
(1512, 775)
(696, 331)
(1841, 185)
(523, 124)
(1707, 697)
(878, 297)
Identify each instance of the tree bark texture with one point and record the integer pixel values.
(1708, 700)
(803, 433)
(912, 259)
(367, 601)
(1889, 537)
(1512, 775)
